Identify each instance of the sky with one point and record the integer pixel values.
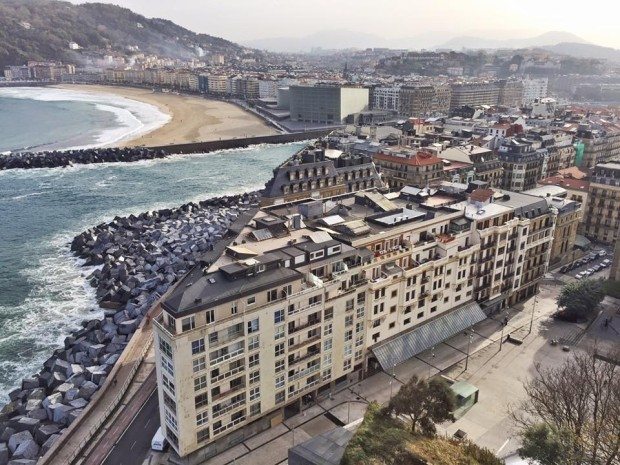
(242, 21)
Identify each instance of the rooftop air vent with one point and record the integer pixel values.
(211, 280)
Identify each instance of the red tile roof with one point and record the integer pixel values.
(417, 159)
(566, 183)
(481, 195)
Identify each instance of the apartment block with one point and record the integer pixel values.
(424, 100)
(217, 84)
(524, 163)
(602, 215)
(312, 294)
(534, 89)
(483, 162)
(401, 166)
(600, 145)
(386, 98)
(474, 94)
(510, 93)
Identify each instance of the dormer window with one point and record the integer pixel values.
(316, 255)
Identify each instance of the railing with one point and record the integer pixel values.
(228, 425)
(306, 308)
(230, 337)
(232, 390)
(228, 374)
(304, 388)
(166, 328)
(227, 356)
(304, 372)
(304, 326)
(301, 344)
(218, 413)
(309, 355)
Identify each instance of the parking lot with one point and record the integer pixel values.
(591, 265)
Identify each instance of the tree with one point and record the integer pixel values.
(580, 299)
(546, 445)
(579, 405)
(424, 403)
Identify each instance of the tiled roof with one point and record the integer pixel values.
(481, 195)
(419, 159)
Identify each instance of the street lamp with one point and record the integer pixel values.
(469, 339)
(430, 365)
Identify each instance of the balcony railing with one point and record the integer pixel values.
(228, 374)
(305, 372)
(232, 390)
(301, 344)
(227, 408)
(228, 356)
(303, 309)
(304, 326)
(228, 425)
(307, 356)
(228, 337)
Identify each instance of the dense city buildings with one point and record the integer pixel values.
(534, 89)
(510, 93)
(523, 164)
(313, 294)
(601, 143)
(326, 104)
(386, 98)
(602, 215)
(482, 162)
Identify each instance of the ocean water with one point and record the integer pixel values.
(41, 118)
(43, 293)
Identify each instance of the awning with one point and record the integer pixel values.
(428, 335)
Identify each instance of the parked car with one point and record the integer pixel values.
(606, 262)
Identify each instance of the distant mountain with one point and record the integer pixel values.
(585, 51)
(548, 38)
(43, 30)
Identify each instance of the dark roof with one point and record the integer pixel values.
(324, 449)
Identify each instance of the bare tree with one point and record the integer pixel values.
(578, 400)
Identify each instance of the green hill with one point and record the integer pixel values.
(43, 29)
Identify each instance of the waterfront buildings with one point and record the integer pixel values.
(312, 171)
(401, 166)
(326, 104)
(602, 215)
(313, 294)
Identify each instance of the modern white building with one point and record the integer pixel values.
(534, 89)
(326, 104)
(386, 98)
(267, 89)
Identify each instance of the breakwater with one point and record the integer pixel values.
(138, 257)
(55, 159)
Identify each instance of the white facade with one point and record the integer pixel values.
(534, 89)
(386, 98)
(267, 89)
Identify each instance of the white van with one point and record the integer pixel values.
(159, 441)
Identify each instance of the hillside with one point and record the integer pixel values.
(585, 51)
(43, 29)
(548, 38)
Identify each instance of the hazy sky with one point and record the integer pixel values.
(243, 20)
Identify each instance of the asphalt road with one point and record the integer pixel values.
(134, 444)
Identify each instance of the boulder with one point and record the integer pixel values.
(28, 449)
(17, 438)
(78, 403)
(47, 445)
(43, 433)
(4, 453)
(87, 390)
(39, 414)
(27, 424)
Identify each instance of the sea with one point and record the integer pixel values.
(43, 290)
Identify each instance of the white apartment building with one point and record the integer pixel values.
(267, 89)
(217, 84)
(299, 305)
(386, 98)
(534, 89)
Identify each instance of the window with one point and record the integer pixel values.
(253, 342)
(202, 435)
(251, 300)
(316, 255)
(213, 337)
(359, 327)
(348, 321)
(327, 344)
(394, 292)
(348, 335)
(346, 366)
(317, 299)
(210, 316)
(359, 340)
(187, 324)
(202, 418)
(198, 346)
(433, 309)
(171, 419)
(255, 409)
(279, 349)
(407, 321)
(392, 325)
(279, 366)
(279, 333)
(255, 393)
(253, 326)
(393, 309)
(327, 374)
(272, 295)
(253, 360)
(200, 383)
(165, 347)
(329, 313)
(167, 366)
(233, 309)
(279, 382)
(167, 383)
(255, 377)
(420, 315)
(327, 359)
(278, 316)
(201, 400)
(360, 312)
(199, 364)
(280, 397)
(327, 330)
(348, 350)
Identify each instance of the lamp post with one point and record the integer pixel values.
(469, 339)
(501, 339)
(430, 365)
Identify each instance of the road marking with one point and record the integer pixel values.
(147, 423)
(503, 445)
(132, 445)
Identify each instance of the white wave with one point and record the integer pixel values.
(134, 118)
(25, 196)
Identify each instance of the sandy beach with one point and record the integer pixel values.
(193, 119)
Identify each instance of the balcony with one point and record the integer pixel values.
(308, 324)
(301, 344)
(228, 356)
(486, 259)
(223, 428)
(226, 338)
(488, 245)
(306, 308)
(232, 390)
(310, 354)
(170, 330)
(225, 408)
(305, 372)
(228, 374)
(305, 388)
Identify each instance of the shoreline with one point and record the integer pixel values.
(192, 118)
